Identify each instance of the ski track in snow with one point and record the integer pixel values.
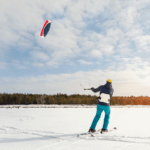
(117, 138)
(52, 145)
(12, 130)
(18, 125)
(63, 147)
(63, 137)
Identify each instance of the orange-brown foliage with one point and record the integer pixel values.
(141, 100)
(17, 98)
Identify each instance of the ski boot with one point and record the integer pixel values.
(103, 130)
(92, 130)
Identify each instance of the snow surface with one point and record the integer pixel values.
(55, 127)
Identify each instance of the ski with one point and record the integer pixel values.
(92, 134)
(109, 130)
(97, 132)
(86, 133)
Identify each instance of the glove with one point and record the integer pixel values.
(92, 88)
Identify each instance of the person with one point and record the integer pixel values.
(103, 104)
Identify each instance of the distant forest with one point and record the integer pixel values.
(18, 98)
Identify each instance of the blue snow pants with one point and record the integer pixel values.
(100, 109)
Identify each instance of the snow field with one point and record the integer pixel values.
(56, 128)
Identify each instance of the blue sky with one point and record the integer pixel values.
(89, 42)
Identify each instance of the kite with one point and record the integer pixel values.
(46, 28)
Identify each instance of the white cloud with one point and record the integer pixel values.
(9, 38)
(64, 33)
(127, 16)
(126, 82)
(66, 38)
(37, 64)
(77, 11)
(143, 42)
(39, 55)
(17, 64)
(85, 62)
(131, 79)
(135, 32)
(95, 53)
(53, 64)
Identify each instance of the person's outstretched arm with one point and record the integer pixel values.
(96, 90)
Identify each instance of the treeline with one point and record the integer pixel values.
(18, 98)
(141, 100)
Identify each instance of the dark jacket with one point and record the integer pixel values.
(107, 90)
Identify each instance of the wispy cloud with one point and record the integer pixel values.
(37, 64)
(17, 64)
(96, 53)
(125, 83)
(85, 62)
(53, 64)
(38, 55)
